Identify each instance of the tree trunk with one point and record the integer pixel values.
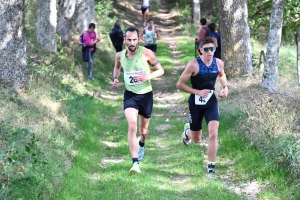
(13, 65)
(46, 26)
(298, 53)
(66, 13)
(75, 17)
(84, 14)
(196, 11)
(271, 64)
(235, 37)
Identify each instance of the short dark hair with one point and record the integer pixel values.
(132, 29)
(149, 20)
(92, 25)
(203, 21)
(212, 27)
(118, 23)
(206, 40)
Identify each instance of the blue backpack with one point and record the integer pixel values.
(208, 33)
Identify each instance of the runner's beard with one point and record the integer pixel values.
(130, 48)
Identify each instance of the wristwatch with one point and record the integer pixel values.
(114, 78)
(225, 86)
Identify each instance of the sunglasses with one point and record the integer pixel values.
(206, 49)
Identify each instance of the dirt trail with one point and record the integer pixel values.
(163, 19)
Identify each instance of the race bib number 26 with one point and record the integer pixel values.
(130, 77)
(201, 100)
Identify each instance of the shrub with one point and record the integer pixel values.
(273, 125)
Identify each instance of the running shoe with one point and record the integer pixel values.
(145, 23)
(91, 78)
(141, 150)
(135, 169)
(185, 139)
(211, 175)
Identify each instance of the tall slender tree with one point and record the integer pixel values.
(298, 54)
(66, 13)
(13, 65)
(235, 37)
(46, 26)
(196, 11)
(271, 64)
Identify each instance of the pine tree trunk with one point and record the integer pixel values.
(13, 65)
(271, 64)
(298, 53)
(235, 37)
(196, 11)
(46, 26)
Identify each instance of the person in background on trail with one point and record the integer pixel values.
(217, 39)
(145, 8)
(203, 72)
(202, 32)
(117, 37)
(149, 35)
(90, 39)
(138, 96)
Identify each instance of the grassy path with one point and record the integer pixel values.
(170, 170)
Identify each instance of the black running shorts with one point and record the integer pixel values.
(152, 47)
(210, 111)
(142, 102)
(143, 9)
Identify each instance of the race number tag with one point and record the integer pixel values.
(129, 77)
(201, 100)
(149, 40)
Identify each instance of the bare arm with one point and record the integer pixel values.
(154, 62)
(215, 42)
(150, 57)
(222, 79)
(142, 35)
(117, 70)
(189, 71)
(157, 35)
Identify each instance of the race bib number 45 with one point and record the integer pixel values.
(130, 77)
(201, 100)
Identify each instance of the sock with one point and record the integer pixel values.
(135, 160)
(211, 167)
(142, 144)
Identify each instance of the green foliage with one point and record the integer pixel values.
(104, 12)
(181, 11)
(19, 155)
(259, 13)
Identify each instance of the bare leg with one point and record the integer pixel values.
(146, 17)
(143, 16)
(195, 135)
(144, 124)
(131, 116)
(212, 148)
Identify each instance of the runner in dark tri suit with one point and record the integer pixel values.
(203, 72)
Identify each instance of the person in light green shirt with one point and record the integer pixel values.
(138, 96)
